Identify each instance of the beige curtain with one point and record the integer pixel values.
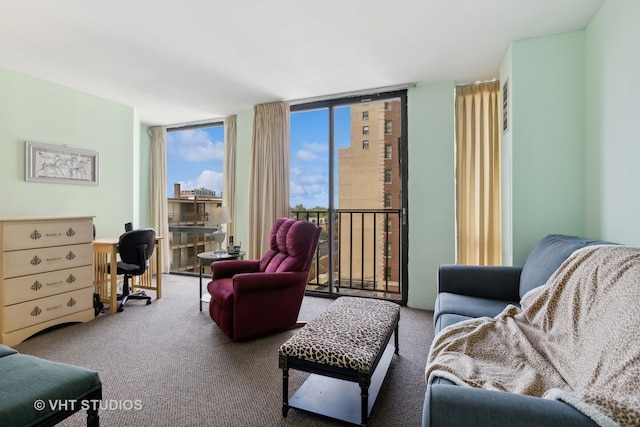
(478, 174)
(269, 186)
(159, 208)
(229, 189)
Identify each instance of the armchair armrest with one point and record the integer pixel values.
(228, 268)
(451, 405)
(249, 282)
(493, 282)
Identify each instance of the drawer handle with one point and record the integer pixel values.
(53, 234)
(54, 259)
(36, 286)
(54, 307)
(54, 283)
(35, 235)
(36, 311)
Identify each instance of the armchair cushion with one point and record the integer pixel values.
(222, 293)
(228, 268)
(289, 248)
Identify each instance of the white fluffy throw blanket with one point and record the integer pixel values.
(576, 339)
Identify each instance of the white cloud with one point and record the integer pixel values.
(209, 179)
(309, 187)
(195, 146)
(311, 152)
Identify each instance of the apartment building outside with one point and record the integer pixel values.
(369, 198)
(190, 208)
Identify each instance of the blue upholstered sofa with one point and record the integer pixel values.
(474, 291)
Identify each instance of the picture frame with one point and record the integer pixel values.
(60, 164)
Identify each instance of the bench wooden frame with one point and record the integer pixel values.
(327, 380)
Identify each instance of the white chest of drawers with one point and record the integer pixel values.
(46, 274)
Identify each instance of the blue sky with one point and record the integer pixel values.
(195, 157)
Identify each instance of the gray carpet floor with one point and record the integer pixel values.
(168, 364)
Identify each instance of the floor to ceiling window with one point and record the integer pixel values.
(348, 176)
(195, 156)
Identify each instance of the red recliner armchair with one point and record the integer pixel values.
(250, 298)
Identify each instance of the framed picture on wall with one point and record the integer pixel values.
(59, 164)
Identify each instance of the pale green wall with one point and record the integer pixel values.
(39, 111)
(547, 139)
(506, 162)
(431, 188)
(613, 122)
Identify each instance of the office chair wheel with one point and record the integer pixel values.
(148, 302)
(120, 308)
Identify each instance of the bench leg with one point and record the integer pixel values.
(93, 419)
(364, 405)
(396, 338)
(285, 391)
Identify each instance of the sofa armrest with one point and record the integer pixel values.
(451, 405)
(229, 268)
(492, 282)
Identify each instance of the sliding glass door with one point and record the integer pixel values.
(348, 175)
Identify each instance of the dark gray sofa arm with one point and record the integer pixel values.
(493, 282)
(451, 405)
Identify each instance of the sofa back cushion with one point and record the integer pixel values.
(545, 258)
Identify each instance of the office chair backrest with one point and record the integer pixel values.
(128, 226)
(136, 246)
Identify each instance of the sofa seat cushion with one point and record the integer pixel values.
(448, 319)
(222, 292)
(464, 305)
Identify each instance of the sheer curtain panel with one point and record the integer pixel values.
(269, 185)
(159, 208)
(229, 168)
(478, 174)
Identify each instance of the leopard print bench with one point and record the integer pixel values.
(346, 342)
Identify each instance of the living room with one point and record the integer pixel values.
(567, 171)
(569, 163)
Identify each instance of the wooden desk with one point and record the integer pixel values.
(105, 259)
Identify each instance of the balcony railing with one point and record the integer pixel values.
(189, 218)
(366, 252)
(186, 242)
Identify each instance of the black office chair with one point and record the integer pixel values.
(135, 249)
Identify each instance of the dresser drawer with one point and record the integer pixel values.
(30, 313)
(27, 288)
(32, 261)
(30, 235)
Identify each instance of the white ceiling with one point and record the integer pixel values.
(190, 61)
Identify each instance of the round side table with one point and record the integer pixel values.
(205, 259)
